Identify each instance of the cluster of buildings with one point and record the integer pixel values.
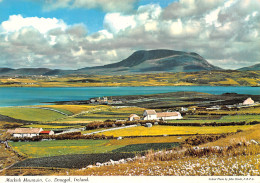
(247, 103)
(104, 101)
(153, 115)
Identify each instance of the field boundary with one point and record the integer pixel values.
(172, 135)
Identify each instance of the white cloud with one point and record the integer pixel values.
(145, 16)
(105, 5)
(43, 25)
(189, 8)
(224, 32)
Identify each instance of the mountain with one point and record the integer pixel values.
(32, 71)
(153, 61)
(255, 67)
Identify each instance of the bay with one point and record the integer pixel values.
(35, 96)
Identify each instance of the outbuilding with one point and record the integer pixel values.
(133, 117)
(248, 101)
(47, 132)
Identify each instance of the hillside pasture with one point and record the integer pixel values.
(62, 147)
(31, 114)
(223, 119)
(73, 109)
(110, 113)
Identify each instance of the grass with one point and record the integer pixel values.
(213, 78)
(145, 140)
(185, 166)
(62, 147)
(50, 127)
(242, 160)
(146, 147)
(243, 111)
(173, 130)
(103, 113)
(229, 118)
(7, 157)
(30, 114)
(74, 109)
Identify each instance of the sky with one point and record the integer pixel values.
(73, 34)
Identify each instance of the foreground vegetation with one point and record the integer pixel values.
(28, 114)
(236, 155)
(163, 149)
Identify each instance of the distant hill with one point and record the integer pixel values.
(152, 61)
(32, 71)
(255, 67)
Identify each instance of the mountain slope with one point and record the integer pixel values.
(154, 61)
(32, 71)
(255, 67)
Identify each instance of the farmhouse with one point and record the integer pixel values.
(152, 115)
(133, 117)
(25, 132)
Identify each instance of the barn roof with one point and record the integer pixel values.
(11, 131)
(27, 130)
(133, 115)
(151, 112)
(167, 114)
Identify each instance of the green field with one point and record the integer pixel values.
(213, 78)
(62, 147)
(65, 147)
(31, 114)
(51, 127)
(110, 113)
(231, 118)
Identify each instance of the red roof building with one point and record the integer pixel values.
(47, 132)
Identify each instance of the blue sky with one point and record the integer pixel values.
(71, 34)
(92, 18)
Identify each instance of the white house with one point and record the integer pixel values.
(133, 117)
(248, 101)
(25, 132)
(169, 115)
(150, 115)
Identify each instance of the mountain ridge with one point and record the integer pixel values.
(142, 61)
(160, 60)
(250, 68)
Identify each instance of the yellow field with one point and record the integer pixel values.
(228, 81)
(172, 130)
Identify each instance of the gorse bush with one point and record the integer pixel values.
(66, 136)
(110, 123)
